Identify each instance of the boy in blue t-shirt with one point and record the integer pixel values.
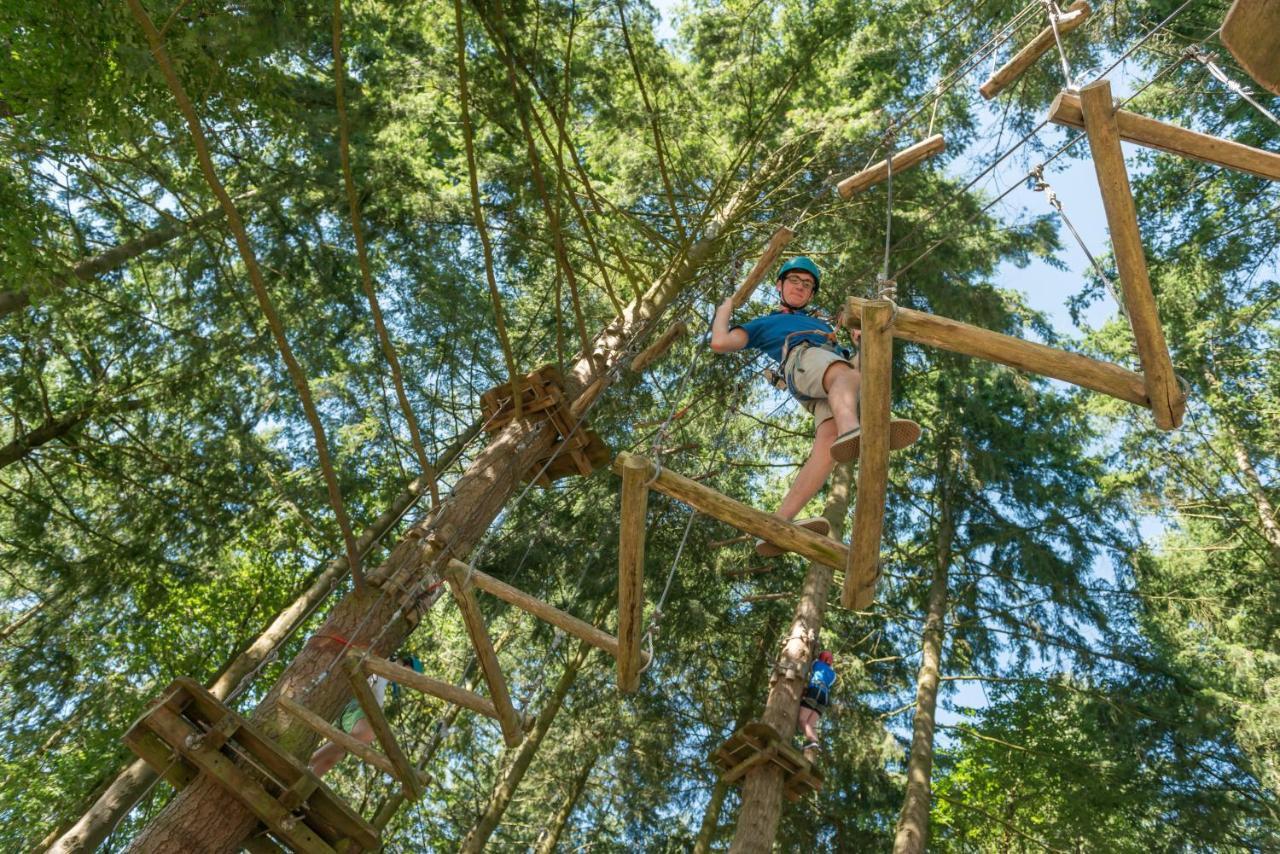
(817, 696)
(819, 374)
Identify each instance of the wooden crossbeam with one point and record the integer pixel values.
(777, 242)
(1250, 32)
(373, 713)
(1071, 18)
(631, 521)
(873, 461)
(1167, 400)
(957, 337)
(345, 740)
(902, 161)
(410, 678)
(740, 770)
(659, 348)
(767, 597)
(749, 520)
(508, 719)
(1067, 110)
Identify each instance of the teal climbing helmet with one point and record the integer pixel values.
(805, 264)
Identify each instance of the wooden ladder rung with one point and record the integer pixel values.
(902, 161)
(377, 719)
(508, 719)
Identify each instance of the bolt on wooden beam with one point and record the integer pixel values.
(1072, 18)
(902, 161)
(862, 570)
(635, 505)
(1167, 401)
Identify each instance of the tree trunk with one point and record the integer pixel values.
(550, 836)
(762, 787)
(132, 782)
(913, 823)
(1253, 485)
(204, 817)
(711, 817)
(504, 790)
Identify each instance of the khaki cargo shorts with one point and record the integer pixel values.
(806, 366)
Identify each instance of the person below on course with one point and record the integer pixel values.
(353, 721)
(817, 696)
(818, 373)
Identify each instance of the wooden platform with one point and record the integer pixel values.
(187, 732)
(758, 743)
(579, 451)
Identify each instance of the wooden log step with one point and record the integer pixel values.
(1071, 19)
(508, 718)
(758, 743)
(749, 520)
(446, 691)
(946, 334)
(381, 727)
(1067, 110)
(1250, 33)
(777, 242)
(902, 161)
(659, 348)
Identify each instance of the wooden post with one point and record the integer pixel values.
(1167, 402)
(947, 334)
(902, 161)
(508, 720)
(405, 771)
(635, 505)
(1072, 17)
(1249, 32)
(758, 523)
(411, 678)
(862, 570)
(659, 348)
(772, 250)
(1067, 110)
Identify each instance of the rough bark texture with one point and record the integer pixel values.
(203, 817)
(504, 790)
(762, 787)
(913, 824)
(550, 836)
(131, 783)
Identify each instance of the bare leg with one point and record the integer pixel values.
(813, 474)
(842, 383)
(330, 754)
(809, 723)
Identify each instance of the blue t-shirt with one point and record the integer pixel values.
(821, 678)
(769, 332)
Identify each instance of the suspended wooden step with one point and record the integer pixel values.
(659, 348)
(188, 728)
(756, 744)
(1067, 110)
(410, 678)
(902, 161)
(1071, 19)
(1251, 32)
(575, 451)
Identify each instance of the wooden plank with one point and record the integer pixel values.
(580, 629)
(176, 770)
(659, 348)
(1071, 18)
(1067, 110)
(631, 523)
(508, 720)
(777, 242)
(175, 731)
(957, 337)
(1250, 33)
(345, 740)
(410, 678)
(382, 729)
(902, 161)
(876, 351)
(758, 523)
(1167, 401)
(737, 771)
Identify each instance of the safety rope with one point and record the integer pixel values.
(1055, 15)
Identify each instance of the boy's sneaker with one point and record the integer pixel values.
(817, 524)
(902, 432)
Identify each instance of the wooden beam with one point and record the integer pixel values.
(732, 541)
(345, 740)
(876, 351)
(1250, 33)
(659, 348)
(1067, 110)
(631, 522)
(957, 337)
(580, 629)
(737, 771)
(411, 678)
(767, 597)
(1071, 18)
(902, 161)
(404, 769)
(777, 242)
(508, 720)
(1167, 401)
(758, 523)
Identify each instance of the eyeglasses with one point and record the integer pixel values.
(799, 280)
